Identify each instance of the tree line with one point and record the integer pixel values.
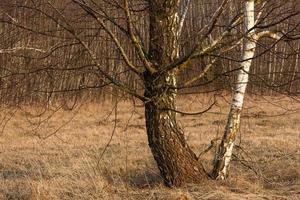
(41, 61)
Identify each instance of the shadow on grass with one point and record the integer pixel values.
(140, 179)
(146, 179)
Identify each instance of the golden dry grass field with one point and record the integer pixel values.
(58, 154)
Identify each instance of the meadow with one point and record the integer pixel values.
(93, 152)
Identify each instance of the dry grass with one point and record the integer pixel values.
(68, 164)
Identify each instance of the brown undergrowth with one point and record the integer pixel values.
(59, 154)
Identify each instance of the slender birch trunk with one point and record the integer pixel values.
(224, 153)
(294, 72)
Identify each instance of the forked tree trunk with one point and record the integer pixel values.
(176, 161)
(224, 153)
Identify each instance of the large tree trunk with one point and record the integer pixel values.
(224, 154)
(176, 161)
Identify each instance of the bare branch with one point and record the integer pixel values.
(135, 41)
(91, 12)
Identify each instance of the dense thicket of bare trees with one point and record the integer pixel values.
(151, 50)
(40, 59)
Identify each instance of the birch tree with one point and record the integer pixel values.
(226, 147)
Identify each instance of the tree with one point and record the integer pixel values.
(225, 150)
(161, 65)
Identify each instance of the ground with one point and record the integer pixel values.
(92, 152)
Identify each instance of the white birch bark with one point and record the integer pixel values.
(183, 17)
(224, 153)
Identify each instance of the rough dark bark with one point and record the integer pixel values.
(176, 161)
